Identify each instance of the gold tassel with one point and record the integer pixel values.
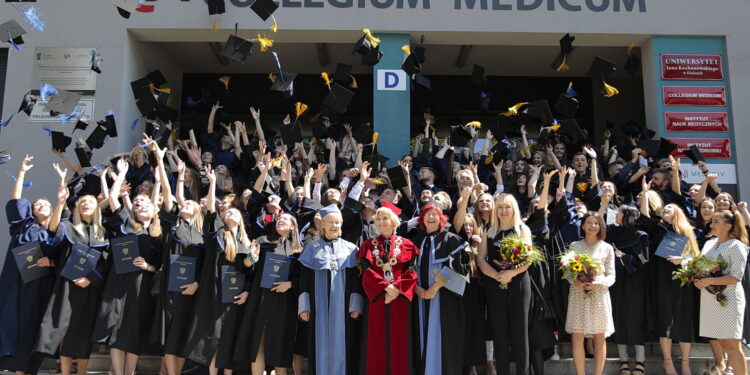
(374, 42)
(570, 85)
(378, 181)
(406, 49)
(326, 79)
(375, 138)
(631, 47)
(215, 26)
(609, 90)
(275, 26)
(300, 108)
(276, 162)
(555, 127)
(476, 124)
(354, 84)
(513, 111)
(272, 77)
(264, 42)
(225, 80)
(563, 67)
(154, 89)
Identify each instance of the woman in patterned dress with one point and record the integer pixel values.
(589, 305)
(725, 322)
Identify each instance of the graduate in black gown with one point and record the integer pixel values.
(507, 309)
(674, 308)
(331, 299)
(182, 225)
(269, 324)
(214, 326)
(475, 349)
(70, 316)
(23, 304)
(125, 315)
(442, 267)
(628, 294)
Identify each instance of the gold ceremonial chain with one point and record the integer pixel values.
(387, 267)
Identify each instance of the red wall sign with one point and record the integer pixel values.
(696, 121)
(691, 67)
(711, 96)
(710, 148)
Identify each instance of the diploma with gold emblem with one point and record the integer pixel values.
(275, 269)
(181, 272)
(124, 250)
(232, 283)
(81, 261)
(26, 257)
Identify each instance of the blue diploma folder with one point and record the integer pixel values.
(232, 283)
(671, 245)
(275, 269)
(181, 272)
(26, 257)
(81, 261)
(124, 250)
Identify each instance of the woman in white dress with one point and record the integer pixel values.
(590, 315)
(725, 323)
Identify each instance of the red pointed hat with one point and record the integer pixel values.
(392, 207)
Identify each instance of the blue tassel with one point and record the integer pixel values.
(278, 64)
(48, 130)
(26, 184)
(47, 90)
(7, 122)
(65, 118)
(34, 18)
(191, 101)
(10, 40)
(571, 93)
(134, 124)
(484, 95)
(110, 113)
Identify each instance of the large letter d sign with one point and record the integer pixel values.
(391, 80)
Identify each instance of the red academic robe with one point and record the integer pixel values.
(388, 322)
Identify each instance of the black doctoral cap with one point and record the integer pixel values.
(572, 130)
(237, 48)
(376, 160)
(157, 78)
(566, 43)
(60, 141)
(343, 73)
(478, 77)
(338, 98)
(460, 136)
(397, 176)
(500, 151)
(538, 113)
(84, 158)
(507, 126)
(411, 65)
(291, 133)
(264, 8)
(373, 57)
(96, 138)
(650, 147)
(64, 102)
(215, 7)
(666, 147)
(82, 124)
(110, 125)
(125, 7)
(632, 64)
(11, 31)
(601, 68)
(363, 134)
(566, 106)
(284, 83)
(27, 103)
(631, 129)
(694, 154)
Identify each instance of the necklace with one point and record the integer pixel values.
(387, 267)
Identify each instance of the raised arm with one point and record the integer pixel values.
(643, 203)
(331, 146)
(551, 156)
(544, 196)
(166, 191)
(62, 198)
(525, 151)
(704, 168)
(499, 186)
(531, 187)
(261, 181)
(594, 165)
(571, 180)
(286, 176)
(114, 192)
(258, 128)
(211, 197)
(74, 167)
(704, 186)
(236, 138)
(306, 186)
(180, 188)
(17, 191)
(212, 117)
(463, 202)
(675, 163)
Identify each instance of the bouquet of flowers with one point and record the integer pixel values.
(701, 267)
(514, 253)
(581, 267)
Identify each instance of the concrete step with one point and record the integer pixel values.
(652, 350)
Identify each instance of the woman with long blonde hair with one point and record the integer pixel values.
(507, 309)
(675, 308)
(125, 315)
(228, 251)
(69, 320)
(269, 325)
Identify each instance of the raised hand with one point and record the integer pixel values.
(210, 174)
(216, 107)
(60, 172)
(466, 192)
(26, 164)
(62, 194)
(548, 175)
(180, 167)
(309, 174)
(321, 171)
(364, 173)
(122, 166)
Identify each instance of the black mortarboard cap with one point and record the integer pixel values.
(632, 64)
(157, 78)
(215, 7)
(162, 136)
(566, 44)
(146, 104)
(267, 131)
(237, 48)
(287, 84)
(601, 68)
(81, 124)
(125, 7)
(694, 154)
(110, 125)
(320, 132)
(478, 77)
(363, 46)
(12, 31)
(162, 98)
(64, 102)
(376, 160)
(566, 107)
(96, 138)
(411, 65)
(140, 87)
(572, 130)
(460, 137)
(500, 151)
(343, 73)
(648, 133)
(363, 134)
(373, 57)
(397, 177)
(84, 159)
(509, 126)
(338, 98)
(546, 136)
(27, 103)
(423, 81)
(419, 53)
(264, 8)
(665, 148)
(632, 129)
(538, 113)
(650, 147)
(291, 133)
(60, 141)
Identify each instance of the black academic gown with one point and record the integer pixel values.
(126, 311)
(22, 305)
(213, 328)
(174, 310)
(314, 269)
(73, 309)
(475, 321)
(269, 314)
(448, 252)
(542, 322)
(672, 310)
(628, 293)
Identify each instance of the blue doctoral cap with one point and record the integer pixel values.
(332, 209)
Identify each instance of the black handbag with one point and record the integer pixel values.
(547, 311)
